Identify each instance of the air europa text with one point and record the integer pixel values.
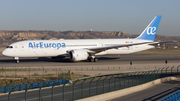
(46, 45)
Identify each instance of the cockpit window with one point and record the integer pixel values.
(9, 46)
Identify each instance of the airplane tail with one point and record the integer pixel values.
(150, 32)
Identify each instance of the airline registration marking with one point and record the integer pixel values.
(46, 45)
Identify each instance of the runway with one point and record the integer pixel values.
(103, 60)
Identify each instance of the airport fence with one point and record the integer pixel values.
(61, 73)
(173, 97)
(103, 83)
(46, 69)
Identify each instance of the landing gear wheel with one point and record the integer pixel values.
(17, 61)
(91, 60)
(95, 60)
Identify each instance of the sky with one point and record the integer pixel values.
(130, 16)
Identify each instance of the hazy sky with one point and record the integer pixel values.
(130, 16)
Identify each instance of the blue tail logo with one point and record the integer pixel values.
(150, 32)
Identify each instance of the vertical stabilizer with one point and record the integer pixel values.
(150, 32)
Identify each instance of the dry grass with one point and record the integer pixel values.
(76, 76)
(4, 82)
(21, 79)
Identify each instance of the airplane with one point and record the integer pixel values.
(84, 49)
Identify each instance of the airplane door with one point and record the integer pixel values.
(100, 44)
(21, 47)
(130, 47)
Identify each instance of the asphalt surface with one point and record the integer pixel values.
(103, 60)
(154, 93)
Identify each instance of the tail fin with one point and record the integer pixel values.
(150, 32)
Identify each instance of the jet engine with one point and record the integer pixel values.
(78, 55)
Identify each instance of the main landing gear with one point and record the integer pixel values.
(92, 59)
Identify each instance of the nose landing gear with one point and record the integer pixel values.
(17, 59)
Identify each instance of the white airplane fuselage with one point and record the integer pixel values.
(39, 48)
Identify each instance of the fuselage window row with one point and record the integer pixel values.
(112, 44)
(79, 45)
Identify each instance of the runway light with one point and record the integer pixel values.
(130, 62)
(166, 62)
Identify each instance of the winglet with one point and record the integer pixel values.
(150, 32)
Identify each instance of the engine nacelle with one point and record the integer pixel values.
(78, 55)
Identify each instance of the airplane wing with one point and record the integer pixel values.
(155, 43)
(100, 49)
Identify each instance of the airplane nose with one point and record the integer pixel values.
(8, 52)
(4, 52)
